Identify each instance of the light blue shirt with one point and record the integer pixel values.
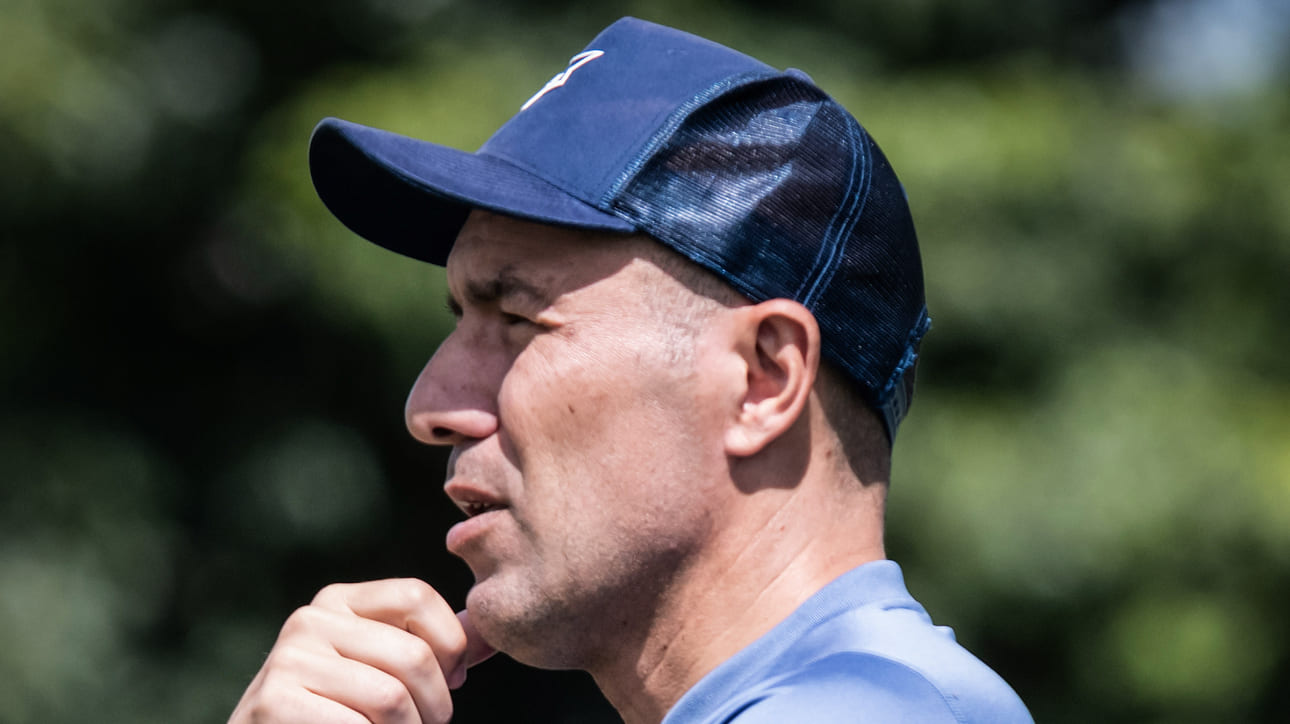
(860, 650)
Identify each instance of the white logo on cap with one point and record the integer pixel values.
(562, 77)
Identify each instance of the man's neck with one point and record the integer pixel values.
(789, 544)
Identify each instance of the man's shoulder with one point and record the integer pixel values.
(851, 686)
(861, 649)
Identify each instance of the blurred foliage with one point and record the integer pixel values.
(203, 372)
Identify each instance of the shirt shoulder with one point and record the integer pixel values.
(859, 650)
(864, 687)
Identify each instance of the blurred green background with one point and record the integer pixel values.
(203, 373)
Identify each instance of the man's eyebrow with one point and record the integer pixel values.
(507, 285)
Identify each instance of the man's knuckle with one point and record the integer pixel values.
(388, 697)
(440, 709)
(268, 699)
(416, 594)
(418, 656)
(301, 621)
(330, 594)
(454, 642)
(281, 659)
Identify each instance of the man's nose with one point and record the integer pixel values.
(452, 401)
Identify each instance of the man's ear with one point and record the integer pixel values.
(779, 343)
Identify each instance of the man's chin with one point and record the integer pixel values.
(491, 611)
(522, 627)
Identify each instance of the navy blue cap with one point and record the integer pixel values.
(753, 173)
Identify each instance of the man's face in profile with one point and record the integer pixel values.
(582, 428)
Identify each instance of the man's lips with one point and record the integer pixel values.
(483, 508)
(469, 533)
(473, 499)
(472, 509)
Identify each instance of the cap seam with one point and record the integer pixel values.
(825, 260)
(674, 121)
(526, 168)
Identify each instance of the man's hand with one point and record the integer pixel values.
(385, 652)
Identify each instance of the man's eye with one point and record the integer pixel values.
(514, 319)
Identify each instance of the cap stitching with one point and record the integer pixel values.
(672, 124)
(837, 246)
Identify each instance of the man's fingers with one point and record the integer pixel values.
(405, 603)
(384, 652)
(293, 706)
(409, 659)
(370, 694)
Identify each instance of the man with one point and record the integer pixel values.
(688, 302)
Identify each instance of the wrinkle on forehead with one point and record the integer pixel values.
(498, 257)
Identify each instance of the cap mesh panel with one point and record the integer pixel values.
(777, 189)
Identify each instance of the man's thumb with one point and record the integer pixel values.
(477, 650)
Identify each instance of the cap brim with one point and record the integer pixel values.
(412, 196)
